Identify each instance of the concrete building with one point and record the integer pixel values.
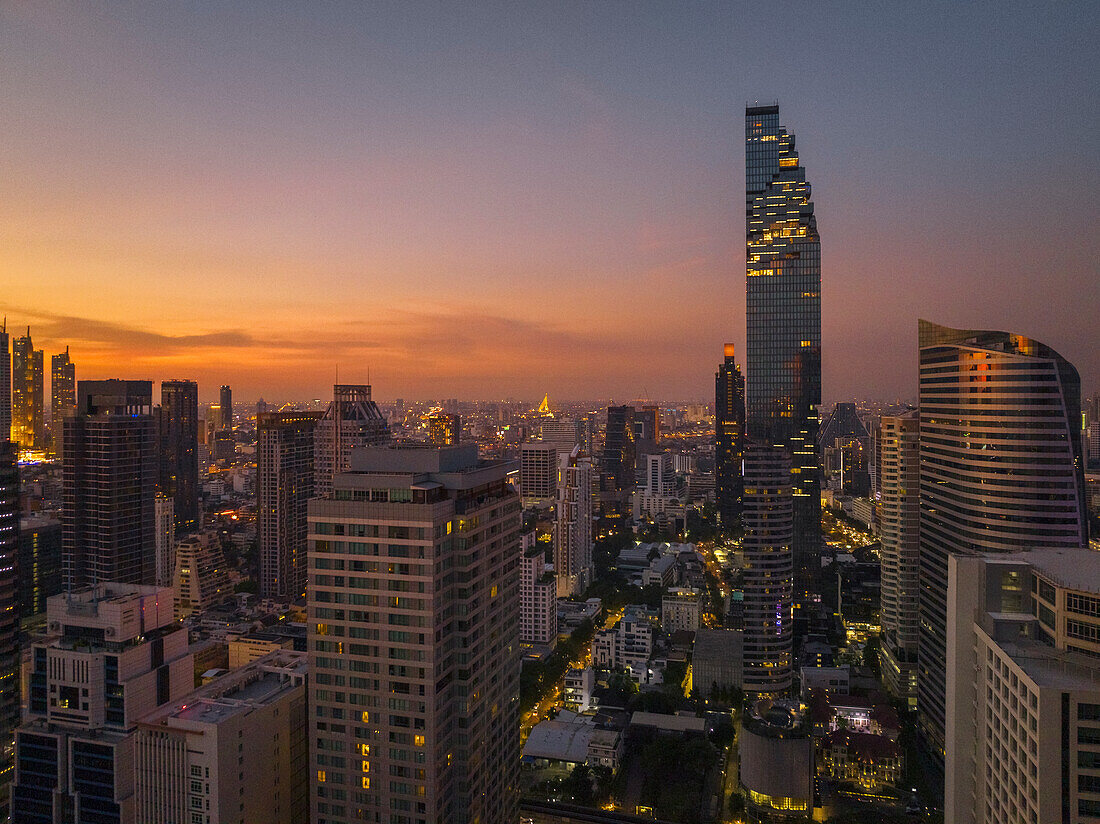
(359, 422)
(165, 540)
(982, 395)
(659, 496)
(538, 611)
(768, 573)
(573, 539)
(39, 563)
(1023, 687)
(225, 395)
(680, 610)
(9, 613)
(899, 527)
(177, 451)
(234, 751)
(62, 395)
(579, 685)
(444, 429)
(200, 578)
(627, 645)
(284, 481)
(413, 610)
(716, 660)
(562, 433)
(5, 381)
(114, 654)
(538, 473)
(776, 761)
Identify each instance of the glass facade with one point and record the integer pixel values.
(783, 312)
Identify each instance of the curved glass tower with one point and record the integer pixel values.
(783, 314)
(1000, 469)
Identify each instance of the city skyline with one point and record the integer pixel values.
(364, 195)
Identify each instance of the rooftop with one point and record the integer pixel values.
(1075, 569)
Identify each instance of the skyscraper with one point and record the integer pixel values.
(62, 393)
(617, 465)
(573, 542)
(729, 432)
(899, 530)
(5, 382)
(178, 434)
(538, 473)
(1000, 469)
(284, 484)
(444, 429)
(108, 481)
(783, 312)
(359, 422)
(9, 615)
(416, 712)
(26, 394)
(767, 517)
(226, 398)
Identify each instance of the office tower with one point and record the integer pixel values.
(647, 423)
(767, 517)
(284, 485)
(573, 539)
(226, 405)
(9, 614)
(538, 473)
(178, 425)
(427, 726)
(444, 429)
(62, 393)
(538, 610)
(225, 445)
(108, 484)
(200, 579)
(113, 655)
(982, 396)
(562, 433)
(26, 394)
(359, 422)
(164, 516)
(783, 312)
(39, 562)
(729, 439)
(659, 494)
(899, 531)
(1023, 687)
(234, 749)
(5, 382)
(617, 464)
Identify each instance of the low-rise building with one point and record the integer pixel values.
(716, 661)
(829, 679)
(867, 760)
(680, 609)
(626, 645)
(579, 685)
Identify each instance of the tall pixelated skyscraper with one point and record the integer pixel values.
(27, 411)
(178, 435)
(729, 432)
(783, 312)
(1000, 470)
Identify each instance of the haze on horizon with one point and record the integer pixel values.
(511, 199)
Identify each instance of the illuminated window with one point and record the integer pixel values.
(366, 783)
(366, 717)
(364, 749)
(418, 740)
(366, 766)
(320, 776)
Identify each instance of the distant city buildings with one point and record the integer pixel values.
(28, 427)
(225, 396)
(62, 394)
(444, 429)
(729, 443)
(617, 464)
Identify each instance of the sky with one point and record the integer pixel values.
(492, 200)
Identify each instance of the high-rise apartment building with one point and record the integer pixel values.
(225, 396)
(234, 749)
(538, 613)
(178, 451)
(164, 515)
(617, 464)
(562, 433)
(108, 484)
(729, 439)
(28, 428)
(659, 493)
(444, 429)
(201, 579)
(414, 653)
(538, 473)
(573, 513)
(9, 614)
(899, 531)
(39, 564)
(351, 420)
(1000, 469)
(767, 516)
(285, 454)
(783, 312)
(1023, 687)
(62, 393)
(5, 382)
(113, 655)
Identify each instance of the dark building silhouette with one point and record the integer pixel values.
(617, 464)
(9, 616)
(226, 397)
(5, 381)
(109, 475)
(178, 458)
(39, 562)
(729, 434)
(783, 312)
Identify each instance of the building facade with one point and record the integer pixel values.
(573, 538)
(178, 432)
(39, 564)
(444, 429)
(62, 394)
(165, 517)
(225, 397)
(680, 610)
(27, 425)
(285, 456)
(767, 516)
(617, 463)
(351, 420)
(729, 439)
(783, 313)
(200, 580)
(538, 473)
(1000, 469)
(5, 382)
(538, 613)
(414, 640)
(9, 614)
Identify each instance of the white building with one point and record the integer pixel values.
(573, 524)
(628, 644)
(1023, 687)
(680, 610)
(658, 495)
(202, 755)
(579, 685)
(538, 603)
(538, 473)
